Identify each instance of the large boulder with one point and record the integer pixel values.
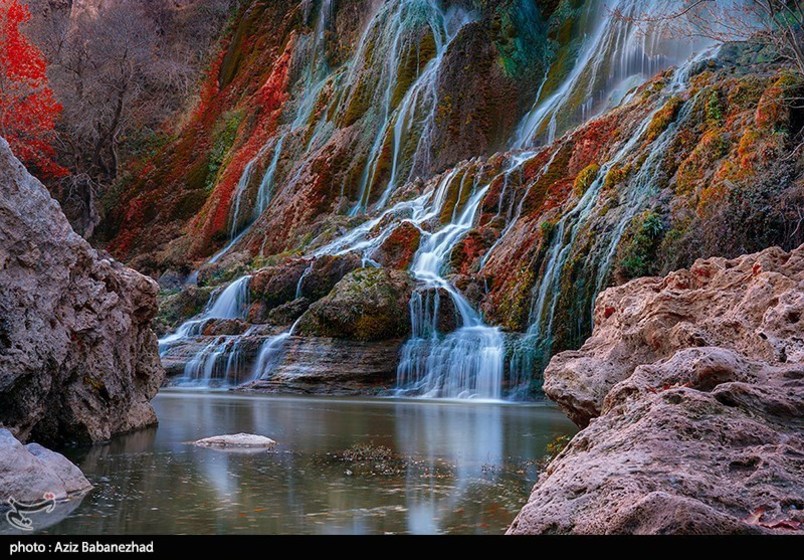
(276, 286)
(692, 393)
(28, 472)
(326, 271)
(752, 304)
(368, 304)
(78, 357)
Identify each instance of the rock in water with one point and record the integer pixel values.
(691, 389)
(242, 441)
(78, 358)
(28, 472)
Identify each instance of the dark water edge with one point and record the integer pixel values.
(449, 467)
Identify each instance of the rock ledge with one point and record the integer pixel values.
(691, 392)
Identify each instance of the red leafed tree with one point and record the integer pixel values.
(28, 108)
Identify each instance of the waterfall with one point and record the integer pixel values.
(469, 361)
(397, 24)
(616, 55)
(271, 352)
(537, 344)
(218, 359)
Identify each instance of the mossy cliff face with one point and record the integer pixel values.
(301, 95)
(311, 117)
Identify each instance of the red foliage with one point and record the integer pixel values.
(270, 99)
(595, 136)
(28, 108)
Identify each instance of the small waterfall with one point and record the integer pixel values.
(466, 363)
(218, 359)
(271, 352)
(216, 365)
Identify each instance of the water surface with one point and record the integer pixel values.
(457, 467)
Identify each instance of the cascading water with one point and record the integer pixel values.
(536, 348)
(469, 361)
(618, 53)
(399, 25)
(219, 358)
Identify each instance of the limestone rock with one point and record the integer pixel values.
(367, 305)
(692, 393)
(78, 357)
(752, 304)
(236, 440)
(28, 472)
(328, 366)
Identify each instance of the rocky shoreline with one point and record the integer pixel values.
(690, 393)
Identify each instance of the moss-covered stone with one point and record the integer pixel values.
(368, 304)
(177, 307)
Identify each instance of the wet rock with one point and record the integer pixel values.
(327, 271)
(312, 365)
(78, 357)
(287, 313)
(368, 304)
(28, 472)
(175, 309)
(171, 280)
(276, 285)
(691, 393)
(398, 249)
(236, 441)
(437, 301)
(224, 327)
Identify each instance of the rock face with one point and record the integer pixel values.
(368, 304)
(78, 358)
(28, 472)
(312, 365)
(692, 393)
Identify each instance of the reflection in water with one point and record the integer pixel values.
(469, 469)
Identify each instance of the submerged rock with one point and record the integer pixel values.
(78, 357)
(692, 393)
(28, 472)
(241, 440)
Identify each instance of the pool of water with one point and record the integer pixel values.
(420, 467)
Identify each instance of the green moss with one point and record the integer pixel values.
(640, 245)
(546, 229)
(411, 64)
(664, 118)
(233, 58)
(617, 175)
(196, 177)
(714, 112)
(585, 179)
(224, 134)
